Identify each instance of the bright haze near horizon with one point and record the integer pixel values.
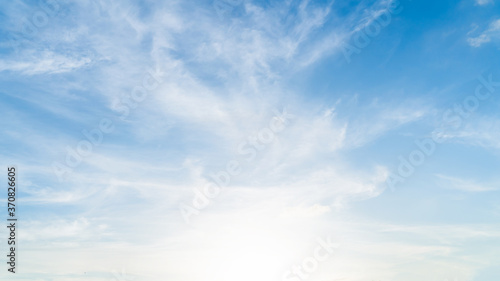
(235, 140)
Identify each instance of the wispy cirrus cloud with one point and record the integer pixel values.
(222, 81)
(485, 36)
(46, 62)
(465, 184)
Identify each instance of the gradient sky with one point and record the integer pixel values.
(314, 105)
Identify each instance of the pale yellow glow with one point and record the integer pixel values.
(247, 253)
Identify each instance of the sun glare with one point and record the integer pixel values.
(249, 254)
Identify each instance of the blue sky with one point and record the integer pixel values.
(221, 140)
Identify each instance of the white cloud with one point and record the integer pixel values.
(479, 131)
(79, 229)
(46, 62)
(484, 2)
(251, 62)
(300, 175)
(492, 32)
(465, 185)
(303, 211)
